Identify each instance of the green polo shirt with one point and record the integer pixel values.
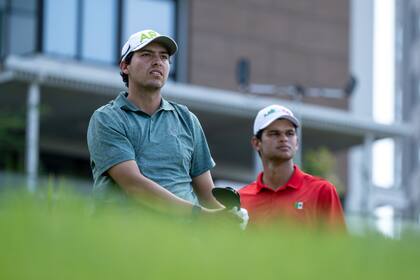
(169, 146)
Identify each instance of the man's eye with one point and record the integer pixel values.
(164, 57)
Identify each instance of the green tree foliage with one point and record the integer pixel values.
(321, 162)
(12, 139)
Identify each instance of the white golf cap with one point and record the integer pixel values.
(271, 113)
(141, 39)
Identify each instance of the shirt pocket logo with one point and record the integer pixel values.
(299, 205)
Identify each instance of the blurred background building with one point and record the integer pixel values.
(59, 62)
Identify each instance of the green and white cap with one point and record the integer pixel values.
(271, 113)
(141, 39)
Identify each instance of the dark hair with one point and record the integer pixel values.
(259, 134)
(124, 76)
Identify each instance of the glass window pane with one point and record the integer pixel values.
(418, 26)
(418, 155)
(22, 35)
(418, 92)
(149, 14)
(99, 30)
(2, 35)
(28, 5)
(60, 27)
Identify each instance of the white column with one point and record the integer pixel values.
(366, 201)
(32, 136)
(361, 65)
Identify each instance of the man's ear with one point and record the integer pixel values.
(123, 67)
(255, 142)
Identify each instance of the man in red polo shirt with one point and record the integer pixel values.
(283, 192)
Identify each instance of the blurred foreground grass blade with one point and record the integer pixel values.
(58, 234)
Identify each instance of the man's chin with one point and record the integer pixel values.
(155, 86)
(282, 157)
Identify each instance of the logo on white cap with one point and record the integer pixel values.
(143, 38)
(271, 113)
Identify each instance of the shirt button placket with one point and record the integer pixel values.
(151, 127)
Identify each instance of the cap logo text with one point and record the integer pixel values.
(147, 36)
(269, 112)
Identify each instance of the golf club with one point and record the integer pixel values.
(227, 196)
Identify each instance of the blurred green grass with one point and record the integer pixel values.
(58, 234)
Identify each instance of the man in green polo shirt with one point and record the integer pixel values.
(149, 148)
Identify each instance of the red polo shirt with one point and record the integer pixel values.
(303, 199)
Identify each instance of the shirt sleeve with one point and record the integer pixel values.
(330, 208)
(201, 160)
(107, 143)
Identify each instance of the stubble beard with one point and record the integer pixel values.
(152, 85)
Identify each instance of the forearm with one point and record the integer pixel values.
(210, 202)
(151, 194)
(203, 184)
(147, 192)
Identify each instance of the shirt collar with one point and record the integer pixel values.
(165, 105)
(127, 105)
(294, 182)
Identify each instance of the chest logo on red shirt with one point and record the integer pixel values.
(299, 205)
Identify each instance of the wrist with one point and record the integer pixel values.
(196, 210)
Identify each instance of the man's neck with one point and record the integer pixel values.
(147, 100)
(277, 174)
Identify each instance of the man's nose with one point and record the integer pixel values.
(282, 137)
(156, 59)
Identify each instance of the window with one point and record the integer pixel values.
(417, 89)
(158, 15)
(418, 25)
(418, 155)
(413, 85)
(2, 33)
(17, 27)
(28, 5)
(22, 33)
(60, 23)
(81, 29)
(93, 30)
(99, 30)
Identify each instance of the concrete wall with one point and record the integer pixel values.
(286, 41)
